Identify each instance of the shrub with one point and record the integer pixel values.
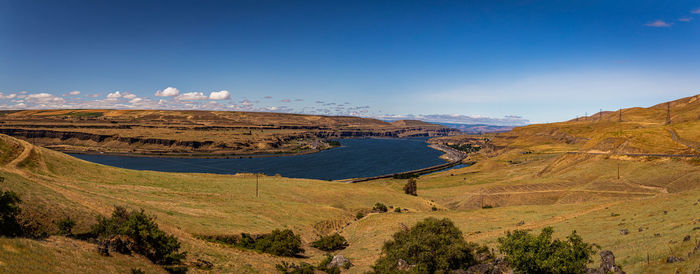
(280, 243)
(430, 246)
(379, 207)
(540, 254)
(411, 187)
(331, 242)
(359, 215)
(142, 233)
(397, 209)
(291, 268)
(434, 208)
(305, 268)
(65, 226)
(9, 210)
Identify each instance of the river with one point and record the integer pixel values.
(355, 158)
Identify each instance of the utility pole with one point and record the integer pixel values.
(618, 171)
(668, 113)
(620, 120)
(257, 182)
(586, 115)
(600, 115)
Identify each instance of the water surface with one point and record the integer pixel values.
(354, 159)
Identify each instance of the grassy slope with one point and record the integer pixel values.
(545, 187)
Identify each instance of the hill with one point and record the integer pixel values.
(532, 177)
(193, 133)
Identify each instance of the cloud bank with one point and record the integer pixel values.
(508, 120)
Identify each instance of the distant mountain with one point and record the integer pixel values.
(477, 128)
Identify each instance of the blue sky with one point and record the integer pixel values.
(508, 62)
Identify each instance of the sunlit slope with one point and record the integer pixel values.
(640, 130)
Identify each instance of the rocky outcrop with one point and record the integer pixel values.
(339, 261)
(607, 264)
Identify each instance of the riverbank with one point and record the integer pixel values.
(453, 156)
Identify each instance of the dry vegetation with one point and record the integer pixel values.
(528, 177)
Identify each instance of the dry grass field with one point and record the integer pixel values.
(528, 175)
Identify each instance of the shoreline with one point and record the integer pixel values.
(223, 156)
(455, 158)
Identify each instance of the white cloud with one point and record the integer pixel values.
(697, 11)
(135, 100)
(115, 95)
(75, 92)
(9, 96)
(45, 100)
(191, 96)
(170, 91)
(220, 95)
(658, 24)
(685, 19)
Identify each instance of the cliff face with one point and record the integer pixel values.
(195, 132)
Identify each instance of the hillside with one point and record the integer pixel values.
(525, 179)
(192, 133)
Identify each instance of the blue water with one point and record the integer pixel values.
(354, 159)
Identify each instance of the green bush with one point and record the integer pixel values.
(291, 268)
(142, 233)
(379, 207)
(9, 210)
(540, 254)
(434, 208)
(397, 209)
(280, 243)
(411, 188)
(65, 226)
(331, 242)
(430, 246)
(305, 268)
(359, 215)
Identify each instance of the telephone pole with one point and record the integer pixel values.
(600, 115)
(257, 182)
(668, 113)
(620, 120)
(618, 171)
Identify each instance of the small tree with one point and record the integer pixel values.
(540, 254)
(411, 187)
(280, 243)
(143, 232)
(379, 207)
(331, 242)
(66, 225)
(430, 246)
(9, 210)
